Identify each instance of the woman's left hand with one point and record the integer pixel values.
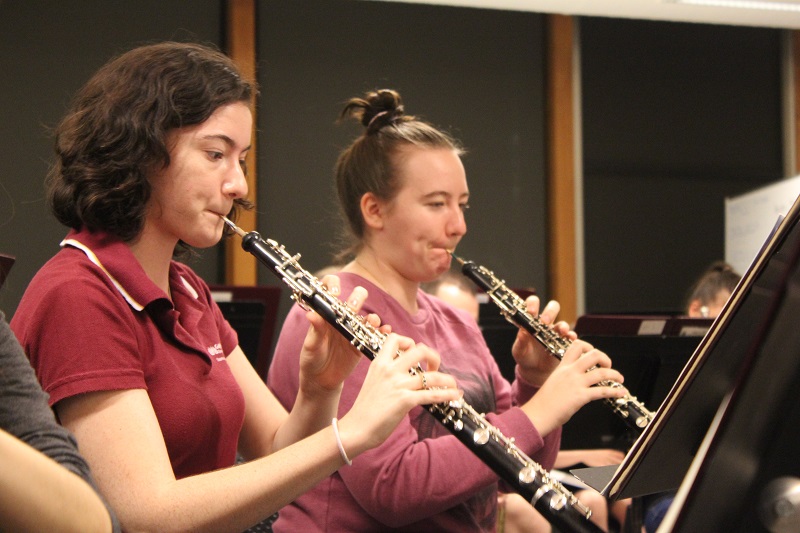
(327, 358)
(535, 362)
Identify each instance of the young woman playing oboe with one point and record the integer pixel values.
(137, 358)
(403, 191)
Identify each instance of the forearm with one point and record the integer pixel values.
(524, 392)
(409, 479)
(38, 494)
(567, 458)
(308, 415)
(231, 499)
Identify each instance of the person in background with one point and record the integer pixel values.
(45, 484)
(711, 291)
(455, 289)
(137, 358)
(403, 191)
(515, 513)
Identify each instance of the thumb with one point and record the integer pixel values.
(317, 331)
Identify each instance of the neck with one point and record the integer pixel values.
(155, 260)
(369, 267)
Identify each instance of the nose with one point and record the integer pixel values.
(457, 225)
(235, 184)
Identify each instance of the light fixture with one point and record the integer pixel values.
(770, 5)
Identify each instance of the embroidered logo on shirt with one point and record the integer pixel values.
(215, 350)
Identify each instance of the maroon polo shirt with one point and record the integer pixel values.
(91, 320)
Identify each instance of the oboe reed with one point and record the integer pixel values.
(239, 231)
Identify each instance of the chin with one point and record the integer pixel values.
(436, 273)
(205, 241)
(446, 265)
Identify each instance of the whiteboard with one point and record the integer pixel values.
(750, 218)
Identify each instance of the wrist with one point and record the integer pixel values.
(351, 437)
(533, 377)
(339, 444)
(312, 391)
(540, 417)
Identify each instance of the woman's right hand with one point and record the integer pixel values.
(571, 386)
(390, 391)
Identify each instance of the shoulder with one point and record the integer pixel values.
(69, 283)
(70, 298)
(349, 281)
(18, 382)
(69, 264)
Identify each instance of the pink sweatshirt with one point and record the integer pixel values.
(422, 478)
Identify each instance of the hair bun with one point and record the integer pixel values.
(384, 107)
(376, 109)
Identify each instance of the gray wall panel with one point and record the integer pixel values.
(47, 51)
(477, 73)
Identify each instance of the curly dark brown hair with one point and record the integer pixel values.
(115, 134)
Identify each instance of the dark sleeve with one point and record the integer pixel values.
(25, 413)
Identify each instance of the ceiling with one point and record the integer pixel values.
(764, 13)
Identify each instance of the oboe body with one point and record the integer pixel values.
(512, 307)
(548, 496)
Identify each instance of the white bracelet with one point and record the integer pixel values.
(335, 425)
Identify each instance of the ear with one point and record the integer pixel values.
(372, 210)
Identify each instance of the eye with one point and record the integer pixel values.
(243, 164)
(214, 155)
(464, 206)
(436, 204)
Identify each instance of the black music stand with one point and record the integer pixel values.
(660, 458)
(746, 478)
(252, 312)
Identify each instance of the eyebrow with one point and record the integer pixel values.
(224, 138)
(443, 193)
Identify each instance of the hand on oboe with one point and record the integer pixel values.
(327, 358)
(535, 362)
(572, 385)
(389, 391)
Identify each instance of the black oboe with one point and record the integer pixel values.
(513, 308)
(529, 479)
